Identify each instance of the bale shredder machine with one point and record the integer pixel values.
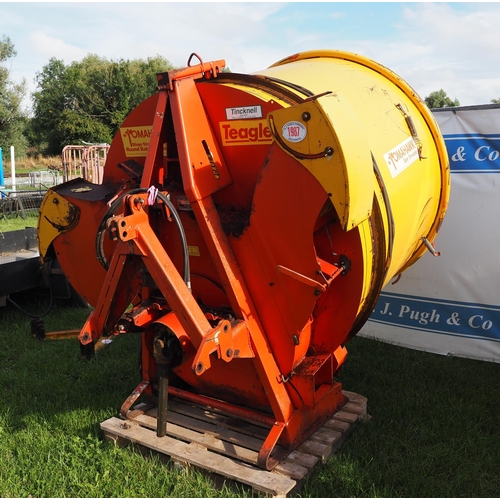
(245, 226)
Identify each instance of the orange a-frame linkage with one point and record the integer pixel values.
(203, 172)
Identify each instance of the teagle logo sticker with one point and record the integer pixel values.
(245, 133)
(294, 131)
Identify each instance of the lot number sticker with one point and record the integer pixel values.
(294, 131)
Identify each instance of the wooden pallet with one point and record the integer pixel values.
(219, 443)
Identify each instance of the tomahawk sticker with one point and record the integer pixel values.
(294, 131)
(135, 140)
(402, 156)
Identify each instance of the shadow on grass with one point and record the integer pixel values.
(49, 379)
(434, 429)
(51, 444)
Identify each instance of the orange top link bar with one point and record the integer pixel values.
(206, 70)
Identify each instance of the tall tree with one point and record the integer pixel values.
(88, 100)
(12, 117)
(495, 101)
(49, 105)
(439, 99)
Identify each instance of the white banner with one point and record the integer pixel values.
(451, 304)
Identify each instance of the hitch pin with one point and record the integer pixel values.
(286, 379)
(430, 247)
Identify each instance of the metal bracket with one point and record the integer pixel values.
(430, 247)
(227, 341)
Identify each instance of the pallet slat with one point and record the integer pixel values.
(225, 445)
(267, 482)
(218, 417)
(211, 428)
(295, 466)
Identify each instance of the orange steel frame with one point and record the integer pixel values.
(243, 337)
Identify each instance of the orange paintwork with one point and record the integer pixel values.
(276, 284)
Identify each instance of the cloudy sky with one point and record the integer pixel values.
(453, 46)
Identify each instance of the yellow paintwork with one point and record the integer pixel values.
(346, 174)
(352, 113)
(261, 94)
(57, 215)
(365, 113)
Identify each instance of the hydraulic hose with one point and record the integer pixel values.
(111, 210)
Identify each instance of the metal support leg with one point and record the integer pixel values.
(161, 425)
(163, 356)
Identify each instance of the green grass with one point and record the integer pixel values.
(53, 402)
(16, 223)
(434, 429)
(12, 221)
